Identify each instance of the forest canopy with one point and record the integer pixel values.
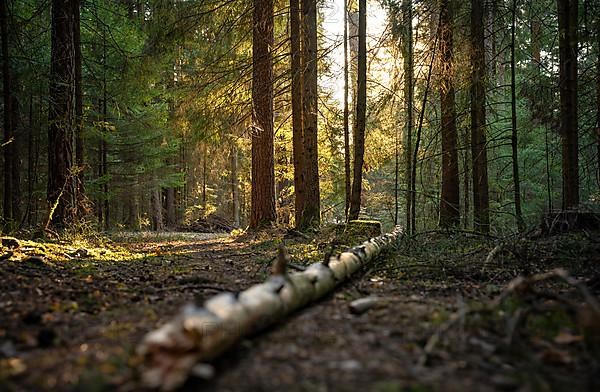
(161, 114)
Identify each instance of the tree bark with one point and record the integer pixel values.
(598, 97)
(8, 145)
(567, 33)
(450, 198)
(263, 167)
(235, 187)
(16, 161)
(297, 105)
(204, 175)
(79, 146)
(156, 208)
(361, 112)
(514, 134)
(60, 132)
(347, 171)
(409, 99)
(311, 214)
(170, 207)
(478, 122)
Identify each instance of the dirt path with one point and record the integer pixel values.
(74, 325)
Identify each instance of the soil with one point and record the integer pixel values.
(450, 315)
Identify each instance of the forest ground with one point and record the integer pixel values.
(450, 316)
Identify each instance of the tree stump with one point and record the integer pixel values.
(359, 230)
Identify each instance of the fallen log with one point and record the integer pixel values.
(198, 334)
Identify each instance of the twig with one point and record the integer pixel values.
(191, 286)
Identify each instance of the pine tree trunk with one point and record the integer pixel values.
(478, 123)
(514, 134)
(347, 171)
(536, 58)
(235, 187)
(204, 175)
(297, 128)
(263, 167)
(170, 207)
(8, 116)
(79, 146)
(156, 208)
(16, 161)
(567, 32)
(466, 179)
(409, 99)
(311, 214)
(598, 99)
(450, 198)
(30, 161)
(361, 112)
(60, 132)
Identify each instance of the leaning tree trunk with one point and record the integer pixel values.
(263, 161)
(60, 117)
(567, 41)
(203, 333)
(361, 112)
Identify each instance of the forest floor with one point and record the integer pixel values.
(451, 314)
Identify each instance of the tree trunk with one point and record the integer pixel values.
(513, 105)
(567, 32)
(60, 117)
(16, 161)
(361, 112)
(409, 99)
(347, 172)
(204, 174)
(478, 123)
(450, 198)
(157, 218)
(8, 117)
(235, 187)
(170, 207)
(311, 214)
(297, 129)
(104, 141)
(79, 147)
(536, 107)
(598, 98)
(30, 161)
(100, 168)
(263, 167)
(466, 179)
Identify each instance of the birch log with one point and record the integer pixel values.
(202, 333)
